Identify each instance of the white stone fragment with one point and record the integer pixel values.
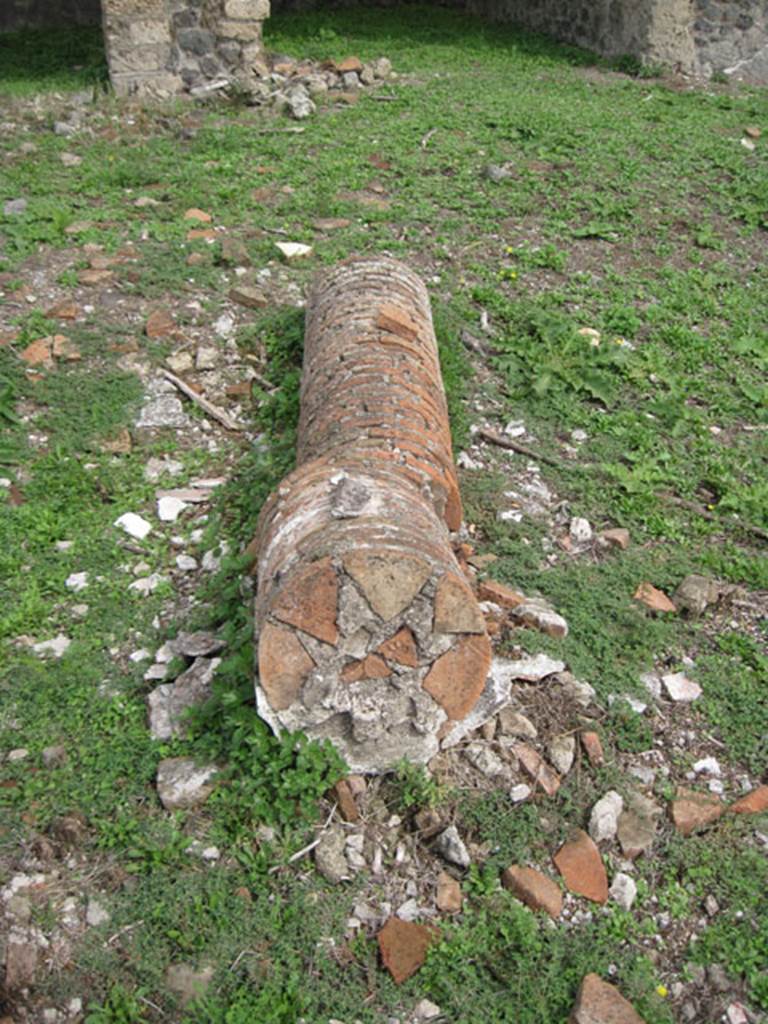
(580, 531)
(95, 914)
(680, 688)
(707, 766)
(76, 581)
(293, 250)
(169, 509)
(604, 819)
(147, 584)
(134, 525)
(519, 793)
(55, 647)
(623, 890)
(186, 563)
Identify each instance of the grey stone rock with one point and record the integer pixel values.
(14, 207)
(481, 756)
(350, 80)
(513, 723)
(182, 784)
(451, 848)
(623, 890)
(201, 644)
(95, 914)
(604, 819)
(299, 104)
(196, 40)
(169, 702)
(562, 751)
(382, 68)
(638, 824)
(330, 859)
(54, 756)
(163, 411)
(695, 594)
(188, 982)
(497, 173)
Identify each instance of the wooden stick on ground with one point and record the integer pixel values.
(513, 446)
(213, 410)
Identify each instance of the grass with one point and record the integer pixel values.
(631, 209)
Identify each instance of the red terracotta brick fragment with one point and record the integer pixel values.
(401, 648)
(755, 802)
(403, 946)
(309, 600)
(534, 889)
(582, 868)
(457, 678)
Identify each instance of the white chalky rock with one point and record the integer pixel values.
(293, 250)
(519, 793)
(708, 766)
(95, 914)
(147, 584)
(530, 669)
(580, 531)
(76, 581)
(623, 890)
(169, 509)
(186, 563)
(680, 688)
(182, 784)
(604, 819)
(55, 647)
(133, 525)
(141, 655)
(562, 751)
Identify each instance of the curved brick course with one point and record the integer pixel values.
(368, 631)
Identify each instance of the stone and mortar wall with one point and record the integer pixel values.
(162, 47)
(732, 36)
(694, 36)
(368, 632)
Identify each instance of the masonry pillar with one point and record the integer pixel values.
(368, 632)
(162, 47)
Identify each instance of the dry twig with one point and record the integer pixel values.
(213, 410)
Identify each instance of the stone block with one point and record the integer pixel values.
(144, 33)
(256, 10)
(243, 31)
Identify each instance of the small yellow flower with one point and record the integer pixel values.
(662, 990)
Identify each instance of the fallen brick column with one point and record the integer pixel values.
(368, 632)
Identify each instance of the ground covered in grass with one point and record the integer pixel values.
(594, 244)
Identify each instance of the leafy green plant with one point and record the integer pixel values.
(416, 787)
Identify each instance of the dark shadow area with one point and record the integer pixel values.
(320, 32)
(45, 59)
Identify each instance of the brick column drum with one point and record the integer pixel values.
(368, 631)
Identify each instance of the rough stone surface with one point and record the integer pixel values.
(329, 856)
(182, 784)
(623, 890)
(601, 1003)
(638, 824)
(580, 864)
(451, 847)
(604, 819)
(534, 889)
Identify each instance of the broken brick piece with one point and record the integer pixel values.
(692, 810)
(401, 648)
(500, 594)
(582, 868)
(593, 748)
(534, 889)
(403, 946)
(755, 802)
(538, 769)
